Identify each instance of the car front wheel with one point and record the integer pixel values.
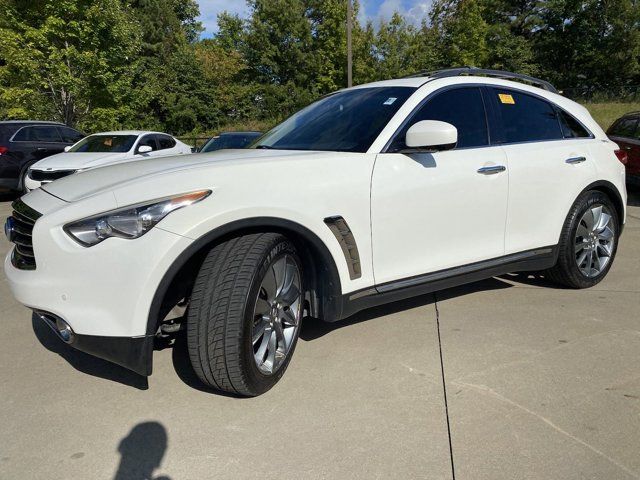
(245, 312)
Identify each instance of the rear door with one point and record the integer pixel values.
(626, 134)
(549, 164)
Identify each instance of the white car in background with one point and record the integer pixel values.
(102, 149)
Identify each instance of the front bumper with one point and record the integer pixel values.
(133, 353)
(104, 293)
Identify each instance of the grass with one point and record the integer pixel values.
(606, 112)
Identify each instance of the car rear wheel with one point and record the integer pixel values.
(588, 242)
(245, 312)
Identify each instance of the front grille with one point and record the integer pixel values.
(44, 176)
(19, 230)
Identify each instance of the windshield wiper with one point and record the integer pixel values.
(264, 147)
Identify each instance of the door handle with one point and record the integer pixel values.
(576, 160)
(627, 147)
(492, 169)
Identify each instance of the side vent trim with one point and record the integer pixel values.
(347, 241)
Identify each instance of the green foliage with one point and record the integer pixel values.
(109, 64)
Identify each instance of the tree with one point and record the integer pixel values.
(67, 61)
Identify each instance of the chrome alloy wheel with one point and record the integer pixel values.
(595, 240)
(276, 315)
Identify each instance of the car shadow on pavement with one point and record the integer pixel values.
(84, 362)
(142, 452)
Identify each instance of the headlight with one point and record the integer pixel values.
(129, 222)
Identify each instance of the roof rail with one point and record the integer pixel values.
(459, 71)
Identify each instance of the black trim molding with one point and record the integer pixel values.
(340, 229)
(537, 259)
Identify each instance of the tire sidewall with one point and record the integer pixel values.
(256, 380)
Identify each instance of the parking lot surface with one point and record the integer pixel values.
(541, 382)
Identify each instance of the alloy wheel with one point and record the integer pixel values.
(276, 315)
(594, 241)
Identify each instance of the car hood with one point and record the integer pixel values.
(79, 160)
(99, 180)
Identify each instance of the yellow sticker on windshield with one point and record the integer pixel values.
(506, 98)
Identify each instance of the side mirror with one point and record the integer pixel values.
(431, 135)
(67, 148)
(144, 149)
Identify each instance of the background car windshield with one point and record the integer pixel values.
(347, 121)
(105, 143)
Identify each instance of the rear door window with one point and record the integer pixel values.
(625, 127)
(525, 118)
(165, 141)
(39, 133)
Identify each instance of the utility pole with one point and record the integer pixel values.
(349, 57)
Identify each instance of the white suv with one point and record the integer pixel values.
(369, 195)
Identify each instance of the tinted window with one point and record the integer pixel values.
(526, 118)
(346, 121)
(571, 128)
(229, 141)
(70, 135)
(461, 107)
(148, 140)
(105, 143)
(165, 141)
(625, 127)
(37, 134)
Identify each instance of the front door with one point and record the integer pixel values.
(433, 211)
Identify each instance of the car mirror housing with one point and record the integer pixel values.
(431, 135)
(144, 149)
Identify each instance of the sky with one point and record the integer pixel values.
(413, 10)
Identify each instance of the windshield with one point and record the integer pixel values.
(105, 143)
(236, 140)
(347, 121)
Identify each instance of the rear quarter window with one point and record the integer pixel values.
(526, 118)
(571, 128)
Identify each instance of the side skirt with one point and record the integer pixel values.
(530, 260)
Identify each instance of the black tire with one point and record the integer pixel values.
(566, 271)
(220, 316)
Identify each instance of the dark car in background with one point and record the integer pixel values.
(24, 142)
(230, 140)
(625, 132)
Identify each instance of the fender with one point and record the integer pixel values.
(327, 277)
(610, 189)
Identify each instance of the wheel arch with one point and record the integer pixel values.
(319, 266)
(613, 193)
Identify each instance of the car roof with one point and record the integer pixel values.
(130, 132)
(227, 134)
(417, 82)
(30, 122)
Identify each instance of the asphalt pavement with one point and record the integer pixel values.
(540, 383)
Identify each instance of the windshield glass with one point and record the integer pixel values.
(105, 143)
(347, 121)
(234, 140)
